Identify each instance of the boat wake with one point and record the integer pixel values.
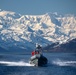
(59, 62)
(18, 63)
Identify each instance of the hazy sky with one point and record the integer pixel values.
(38, 7)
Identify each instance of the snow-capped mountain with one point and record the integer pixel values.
(24, 31)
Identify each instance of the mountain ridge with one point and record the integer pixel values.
(68, 47)
(24, 31)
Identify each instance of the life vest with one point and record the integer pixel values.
(35, 52)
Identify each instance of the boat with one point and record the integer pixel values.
(38, 60)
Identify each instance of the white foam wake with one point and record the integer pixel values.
(64, 63)
(19, 63)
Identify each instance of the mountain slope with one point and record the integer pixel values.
(24, 31)
(69, 46)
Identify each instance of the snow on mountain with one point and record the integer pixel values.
(24, 31)
(68, 47)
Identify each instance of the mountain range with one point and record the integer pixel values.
(22, 32)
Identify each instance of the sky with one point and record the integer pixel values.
(38, 7)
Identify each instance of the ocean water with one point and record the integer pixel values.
(18, 64)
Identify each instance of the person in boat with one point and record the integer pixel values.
(35, 52)
(38, 50)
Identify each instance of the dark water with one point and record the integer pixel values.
(59, 64)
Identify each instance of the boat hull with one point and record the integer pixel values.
(39, 61)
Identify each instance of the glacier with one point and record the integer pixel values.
(22, 32)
